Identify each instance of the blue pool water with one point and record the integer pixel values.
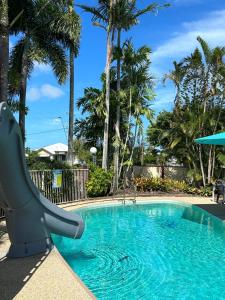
(149, 251)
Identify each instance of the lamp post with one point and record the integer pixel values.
(64, 129)
(93, 151)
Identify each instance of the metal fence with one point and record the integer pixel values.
(73, 185)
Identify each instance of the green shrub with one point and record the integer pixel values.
(169, 185)
(36, 163)
(99, 182)
(206, 191)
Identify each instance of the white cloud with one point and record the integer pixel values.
(210, 28)
(46, 91)
(51, 91)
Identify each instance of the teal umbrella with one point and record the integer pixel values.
(215, 139)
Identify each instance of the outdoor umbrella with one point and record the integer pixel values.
(215, 139)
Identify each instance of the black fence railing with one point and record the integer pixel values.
(63, 187)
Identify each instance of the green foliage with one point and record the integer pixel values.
(81, 151)
(198, 111)
(34, 162)
(169, 185)
(136, 97)
(99, 182)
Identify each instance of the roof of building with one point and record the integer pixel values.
(55, 148)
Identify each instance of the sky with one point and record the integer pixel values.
(171, 34)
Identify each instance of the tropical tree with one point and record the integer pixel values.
(103, 17)
(176, 77)
(92, 105)
(137, 85)
(200, 84)
(73, 54)
(44, 41)
(136, 89)
(125, 16)
(4, 46)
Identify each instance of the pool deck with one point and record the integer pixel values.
(47, 276)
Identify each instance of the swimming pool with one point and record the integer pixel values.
(149, 251)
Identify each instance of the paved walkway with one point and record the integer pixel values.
(47, 276)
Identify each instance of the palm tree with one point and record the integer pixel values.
(176, 77)
(102, 16)
(73, 54)
(25, 52)
(4, 46)
(200, 93)
(137, 82)
(92, 104)
(44, 41)
(114, 16)
(125, 16)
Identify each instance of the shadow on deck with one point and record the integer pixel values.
(217, 210)
(24, 268)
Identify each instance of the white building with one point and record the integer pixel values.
(56, 151)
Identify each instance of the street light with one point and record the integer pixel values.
(64, 129)
(93, 151)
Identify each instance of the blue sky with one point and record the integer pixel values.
(171, 34)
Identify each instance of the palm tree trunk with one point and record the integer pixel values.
(210, 164)
(117, 125)
(142, 151)
(127, 135)
(201, 164)
(213, 161)
(71, 103)
(23, 89)
(133, 146)
(107, 98)
(4, 50)
(71, 110)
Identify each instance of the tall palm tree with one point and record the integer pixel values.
(200, 92)
(44, 41)
(126, 15)
(24, 53)
(114, 16)
(103, 16)
(73, 53)
(176, 77)
(137, 82)
(4, 46)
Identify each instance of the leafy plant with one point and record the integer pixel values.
(99, 182)
(169, 185)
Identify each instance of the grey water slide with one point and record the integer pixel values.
(30, 217)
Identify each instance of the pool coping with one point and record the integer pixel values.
(81, 292)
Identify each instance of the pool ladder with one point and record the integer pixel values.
(133, 199)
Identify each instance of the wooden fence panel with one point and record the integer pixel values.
(73, 185)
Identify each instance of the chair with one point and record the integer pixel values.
(219, 190)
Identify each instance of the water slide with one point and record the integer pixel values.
(30, 217)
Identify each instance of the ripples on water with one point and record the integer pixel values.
(151, 251)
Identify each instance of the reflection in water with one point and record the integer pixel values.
(198, 216)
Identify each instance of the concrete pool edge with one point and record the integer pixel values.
(80, 291)
(142, 199)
